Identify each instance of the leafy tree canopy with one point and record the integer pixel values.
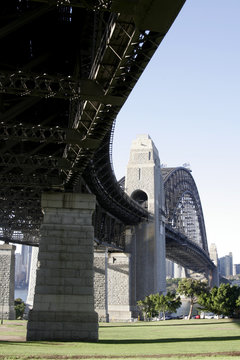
(154, 304)
(19, 308)
(191, 288)
(224, 299)
(147, 306)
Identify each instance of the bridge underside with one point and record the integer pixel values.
(66, 69)
(62, 86)
(187, 254)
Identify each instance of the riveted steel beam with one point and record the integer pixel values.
(36, 162)
(38, 181)
(60, 87)
(103, 5)
(41, 134)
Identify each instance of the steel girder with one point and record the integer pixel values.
(186, 253)
(70, 88)
(108, 230)
(178, 182)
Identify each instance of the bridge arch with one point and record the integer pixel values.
(183, 205)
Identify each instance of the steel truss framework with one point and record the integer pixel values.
(183, 205)
(186, 239)
(60, 95)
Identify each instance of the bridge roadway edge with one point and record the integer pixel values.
(63, 306)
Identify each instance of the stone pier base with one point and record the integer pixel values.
(100, 284)
(119, 287)
(7, 281)
(63, 307)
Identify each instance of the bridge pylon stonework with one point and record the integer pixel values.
(144, 184)
(7, 280)
(63, 306)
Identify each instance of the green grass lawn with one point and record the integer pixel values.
(175, 339)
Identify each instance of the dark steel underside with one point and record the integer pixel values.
(66, 69)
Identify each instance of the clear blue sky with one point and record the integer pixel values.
(188, 101)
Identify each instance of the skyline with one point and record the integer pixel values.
(187, 100)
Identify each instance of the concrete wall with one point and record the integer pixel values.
(119, 287)
(101, 284)
(7, 281)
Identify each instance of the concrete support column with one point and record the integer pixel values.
(150, 261)
(119, 287)
(130, 247)
(63, 307)
(32, 279)
(213, 277)
(101, 284)
(7, 281)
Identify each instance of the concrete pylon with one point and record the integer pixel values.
(119, 287)
(7, 281)
(32, 280)
(101, 284)
(63, 307)
(145, 185)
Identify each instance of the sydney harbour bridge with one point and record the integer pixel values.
(66, 69)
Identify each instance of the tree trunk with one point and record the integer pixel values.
(190, 310)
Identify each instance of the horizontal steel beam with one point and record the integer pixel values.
(35, 181)
(60, 87)
(42, 134)
(36, 162)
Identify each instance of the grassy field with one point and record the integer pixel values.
(175, 339)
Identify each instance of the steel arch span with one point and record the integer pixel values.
(184, 214)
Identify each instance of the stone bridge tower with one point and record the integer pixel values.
(147, 245)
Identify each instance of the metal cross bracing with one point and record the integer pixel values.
(66, 68)
(186, 239)
(181, 250)
(183, 205)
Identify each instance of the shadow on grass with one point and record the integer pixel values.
(170, 340)
(129, 341)
(167, 323)
(33, 343)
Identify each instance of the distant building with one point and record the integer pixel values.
(236, 269)
(213, 254)
(226, 265)
(236, 282)
(22, 267)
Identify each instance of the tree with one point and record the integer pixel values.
(238, 306)
(19, 308)
(147, 306)
(224, 299)
(166, 303)
(172, 284)
(191, 288)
